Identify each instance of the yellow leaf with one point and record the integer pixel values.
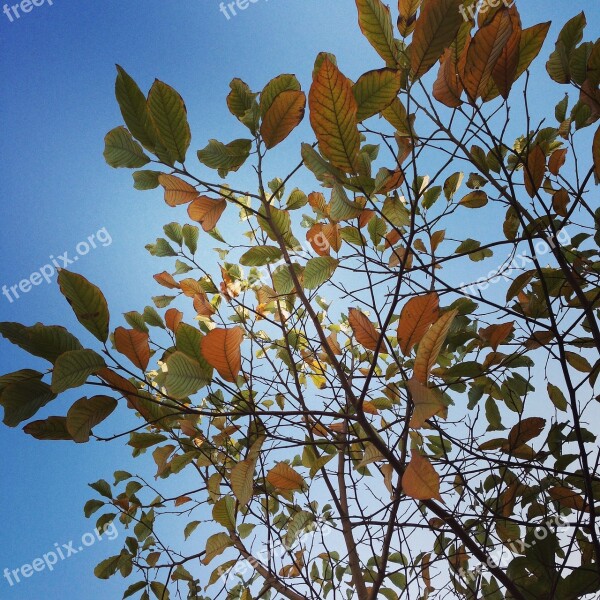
(430, 346)
(222, 350)
(333, 111)
(427, 403)
(283, 477)
(416, 318)
(420, 480)
(283, 116)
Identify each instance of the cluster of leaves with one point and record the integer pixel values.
(348, 386)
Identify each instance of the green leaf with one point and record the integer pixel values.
(174, 232)
(87, 302)
(342, 208)
(319, 270)
(241, 102)
(22, 375)
(224, 512)
(452, 185)
(159, 590)
(169, 116)
(225, 157)
(191, 233)
(53, 428)
(146, 180)
(102, 487)
(132, 103)
(121, 150)
(376, 24)
(557, 397)
(216, 545)
(190, 528)
(260, 256)
(91, 507)
(376, 90)
(107, 568)
(162, 248)
(136, 320)
(476, 199)
(282, 278)
(133, 588)
(73, 368)
(185, 376)
(21, 400)
(153, 318)
(85, 414)
(188, 340)
(47, 342)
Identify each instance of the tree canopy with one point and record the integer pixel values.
(347, 397)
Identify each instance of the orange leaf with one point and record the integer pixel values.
(202, 305)
(207, 211)
(333, 111)
(222, 350)
(283, 116)
(134, 345)
(283, 477)
(568, 498)
(172, 319)
(557, 160)
(524, 431)
(420, 480)
(430, 346)
(318, 240)
(496, 334)
(560, 202)
(177, 191)
(484, 52)
(416, 318)
(505, 70)
(535, 168)
(364, 331)
(166, 280)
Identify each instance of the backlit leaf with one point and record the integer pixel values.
(430, 346)
(222, 350)
(417, 316)
(86, 413)
(420, 480)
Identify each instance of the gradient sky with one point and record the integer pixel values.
(57, 103)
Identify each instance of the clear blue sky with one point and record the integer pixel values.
(57, 103)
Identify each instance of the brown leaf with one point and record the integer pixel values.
(427, 403)
(416, 318)
(222, 350)
(420, 480)
(596, 153)
(524, 431)
(166, 280)
(177, 191)
(202, 305)
(364, 331)
(505, 70)
(535, 169)
(557, 160)
(494, 335)
(173, 318)
(568, 498)
(560, 202)
(283, 116)
(207, 211)
(134, 345)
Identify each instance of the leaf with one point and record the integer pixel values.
(260, 256)
(333, 112)
(145, 180)
(375, 22)
(216, 545)
(407, 17)
(45, 341)
(283, 477)
(476, 199)
(222, 350)
(365, 332)
(525, 430)
(85, 414)
(207, 211)
(435, 29)
(134, 109)
(134, 345)
(375, 91)
(427, 403)
(430, 346)
(532, 40)
(22, 399)
(505, 70)
(494, 335)
(73, 368)
(185, 375)
(557, 397)
(484, 51)
(242, 481)
(52, 428)
(169, 116)
(241, 99)
(535, 170)
(121, 150)
(177, 191)
(225, 157)
(87, 301)
(277, 85)
(420, 480)
(318, 271)
(568, 498)
(416, 318)
(224, 512)
(596, 153)
(283, 116)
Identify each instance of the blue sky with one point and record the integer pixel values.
(57, 103)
